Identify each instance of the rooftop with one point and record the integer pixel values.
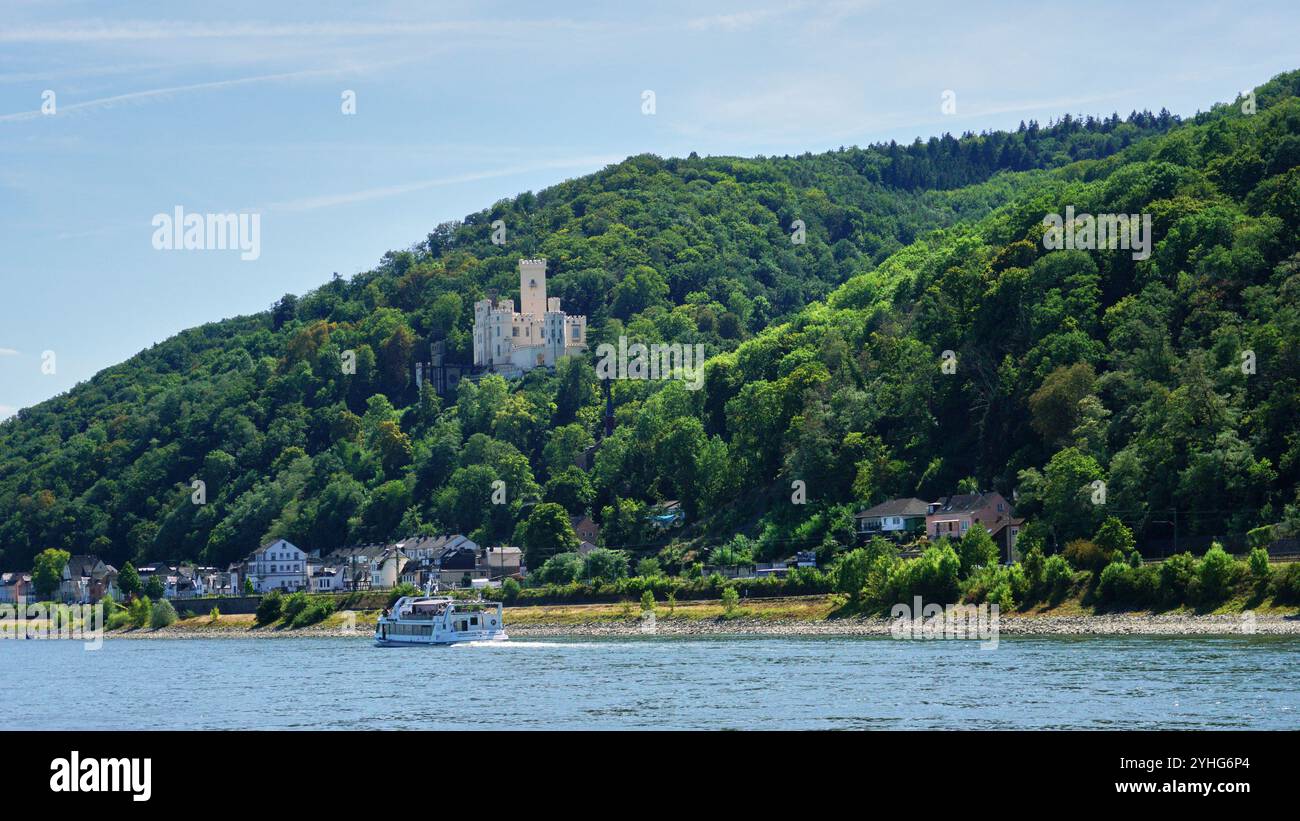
(910, 506)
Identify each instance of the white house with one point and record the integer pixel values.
(895, 517)
(386, 568)
(538, 334)
(328, 578)
(222, 582)
(277, 566)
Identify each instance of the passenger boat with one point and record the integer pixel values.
(416, 620)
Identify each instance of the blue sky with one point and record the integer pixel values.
(236, 106)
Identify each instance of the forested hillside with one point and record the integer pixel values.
(1071, 366)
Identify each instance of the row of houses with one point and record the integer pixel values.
(452, 560)
(87, 579)
(447, 560)
(949, 516)
(420, 560)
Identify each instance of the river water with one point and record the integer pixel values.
(655, 683)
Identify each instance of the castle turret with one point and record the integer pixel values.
(532, 287)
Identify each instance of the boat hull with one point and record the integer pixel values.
(382, 642)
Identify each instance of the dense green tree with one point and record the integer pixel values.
(1115, 538)
(623, 525)
(1068, 494)
(571, 489)
(1055, 405)
(562, 568)
(546, 532)
(47, 571)
(604, 565)
(155, 588)
(128, 581)
(564, 445)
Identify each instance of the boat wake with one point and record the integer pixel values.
(506, 645)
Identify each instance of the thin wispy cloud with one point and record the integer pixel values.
(383, 192)
(94, 32)
(739, 21)
(810, 14)
(8, 352)
(133, 96)
(90, 71)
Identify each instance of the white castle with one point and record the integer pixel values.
(539, 334)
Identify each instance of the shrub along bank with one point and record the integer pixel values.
(1109, 574)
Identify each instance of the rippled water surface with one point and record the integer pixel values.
(649, 682)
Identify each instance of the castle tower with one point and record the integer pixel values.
(532, 287)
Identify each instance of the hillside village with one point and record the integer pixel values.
(280, 565)
(456, 561)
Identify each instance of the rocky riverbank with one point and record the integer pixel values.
(1106, 625)
(1125, 624)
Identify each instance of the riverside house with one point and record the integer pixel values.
(501, 561)
(386, 570)
(359, 563)
(952, 516)
(189, 581)
(586, 529)
(86, 580)
(895, 518)
(224, 582)
(459, 559)
(369, 567)
(15, 588)
(278, 565)
(327, 578)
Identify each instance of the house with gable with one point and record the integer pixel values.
(952, 516)
(86, 580)
(278, 565)
(896, 518)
